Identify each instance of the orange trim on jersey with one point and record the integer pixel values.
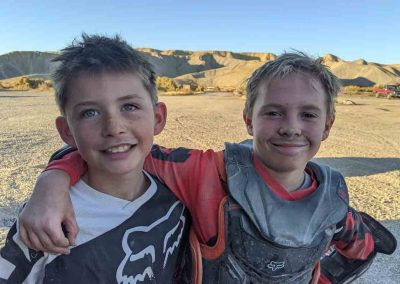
(217, 250)
(72, 163)
(220, 164)
(197, 275)
(278, 189)
(324, 280)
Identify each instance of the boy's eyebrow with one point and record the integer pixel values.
(271, 105)
(124, 98)
(312, 107)
(83, 104)
(130, 96)
(275, 105)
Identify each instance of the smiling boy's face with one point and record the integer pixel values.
(110, 118)
(288, 123)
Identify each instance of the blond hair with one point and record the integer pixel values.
(291, 63)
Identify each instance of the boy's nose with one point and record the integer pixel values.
(290, 129)
(113, 127)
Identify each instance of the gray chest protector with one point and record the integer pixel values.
(270, 240)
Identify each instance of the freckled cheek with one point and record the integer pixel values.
(86, 131)
(265, 128)
(316, 133)
(86, 143)
(87, 136)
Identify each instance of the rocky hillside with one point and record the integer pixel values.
(210, 68)
(362, 73)
(20, 63)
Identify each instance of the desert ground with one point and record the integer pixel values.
(364, 144)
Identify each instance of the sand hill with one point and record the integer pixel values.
(362, 73)
(210, 68)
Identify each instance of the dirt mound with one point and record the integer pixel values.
(232, 76)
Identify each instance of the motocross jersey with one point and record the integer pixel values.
(120, 241)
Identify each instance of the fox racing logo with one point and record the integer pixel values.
(141, 256)
(274, 265)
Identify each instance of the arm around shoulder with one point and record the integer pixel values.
(69, 162)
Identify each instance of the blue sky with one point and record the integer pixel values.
(349, 29)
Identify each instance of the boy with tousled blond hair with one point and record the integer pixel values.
(133, 228)
(262, 213)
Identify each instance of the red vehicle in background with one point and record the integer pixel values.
(388, 91)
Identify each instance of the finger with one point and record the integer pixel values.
(51, 246)
(56, 236)
(71, 230)
(58, 249)
(53, 238)
(61, 250)
(23, 235)
(35, 242)
(43, 243)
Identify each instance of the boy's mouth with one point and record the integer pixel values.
(289, 144)
(289, 148)
(119, 149)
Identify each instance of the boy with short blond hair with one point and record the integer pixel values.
(133, 228)
(262, 214)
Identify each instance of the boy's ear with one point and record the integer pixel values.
(328, 125)
(249, 123)
(160, 117)
(64, 131)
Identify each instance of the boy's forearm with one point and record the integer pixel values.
(48, 209)
(51, 187)
(53, 179)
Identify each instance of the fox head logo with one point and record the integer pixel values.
(274, 265)
(142, 254)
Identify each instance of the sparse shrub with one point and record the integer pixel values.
(178, 93)
(25, 83)
(356, 89)
(22, 84)
(165, 84)
(199, 88)
(227, 89)
(241, 91)
(185, 87)
(45, 85)
(188, 85)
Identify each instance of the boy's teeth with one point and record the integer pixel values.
(119, 149)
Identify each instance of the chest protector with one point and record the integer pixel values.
(268, 239)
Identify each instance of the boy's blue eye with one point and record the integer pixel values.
(272, 113)
(128, 107)
(310, 115)
(89, 113)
